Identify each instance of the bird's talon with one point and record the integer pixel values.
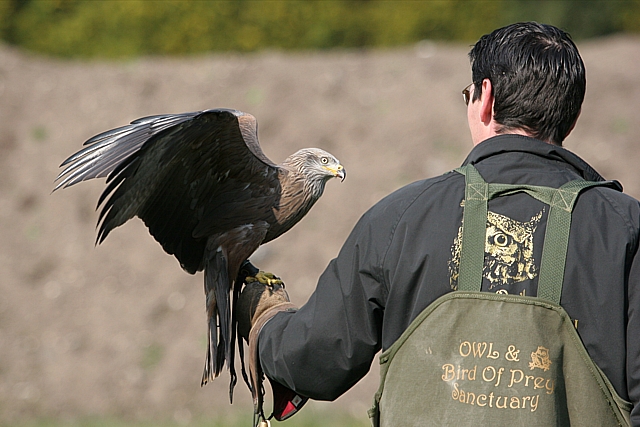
(265, 278)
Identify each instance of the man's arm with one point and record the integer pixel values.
(328, 345)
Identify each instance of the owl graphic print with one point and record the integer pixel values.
(509, 257)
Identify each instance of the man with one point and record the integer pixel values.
(528, 87)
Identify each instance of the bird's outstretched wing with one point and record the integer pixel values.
(180, 173)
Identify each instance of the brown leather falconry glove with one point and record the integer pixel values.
(262, 298)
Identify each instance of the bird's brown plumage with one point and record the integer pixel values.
(207, 193)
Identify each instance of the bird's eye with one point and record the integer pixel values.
(324, 160)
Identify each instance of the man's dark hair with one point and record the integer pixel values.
(537, 75)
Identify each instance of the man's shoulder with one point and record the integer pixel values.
(430, 190)
(623, 204)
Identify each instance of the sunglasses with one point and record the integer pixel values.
(466, 94)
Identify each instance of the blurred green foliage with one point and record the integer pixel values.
(120, 29)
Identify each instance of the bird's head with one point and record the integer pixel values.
(317, 167)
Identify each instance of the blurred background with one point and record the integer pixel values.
(114, 335)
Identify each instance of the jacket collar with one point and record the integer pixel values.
(512, 143)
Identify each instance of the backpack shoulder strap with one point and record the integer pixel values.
(554, 253)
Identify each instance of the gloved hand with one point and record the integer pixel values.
(262, 298)
(262, 292)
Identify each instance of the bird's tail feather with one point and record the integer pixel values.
(221, 339)
(231, 356)
(212, 366)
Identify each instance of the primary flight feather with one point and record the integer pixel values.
(201, 184)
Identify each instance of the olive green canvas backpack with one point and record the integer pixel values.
(475, 358)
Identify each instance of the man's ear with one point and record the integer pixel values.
(486, 102)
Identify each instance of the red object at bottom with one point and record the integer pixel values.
(286, 402)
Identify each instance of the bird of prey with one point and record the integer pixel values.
(201, 184)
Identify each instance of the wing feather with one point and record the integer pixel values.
(186, 176)
(105, 151)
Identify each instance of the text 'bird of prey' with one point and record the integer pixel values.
(207, 193)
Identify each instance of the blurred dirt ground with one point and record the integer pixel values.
(119, 330)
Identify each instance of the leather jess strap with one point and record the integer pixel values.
(286, 402)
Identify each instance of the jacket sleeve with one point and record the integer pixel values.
(328, 345)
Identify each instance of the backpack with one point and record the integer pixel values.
(449, 369)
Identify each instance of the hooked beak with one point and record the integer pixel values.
(338, 172)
